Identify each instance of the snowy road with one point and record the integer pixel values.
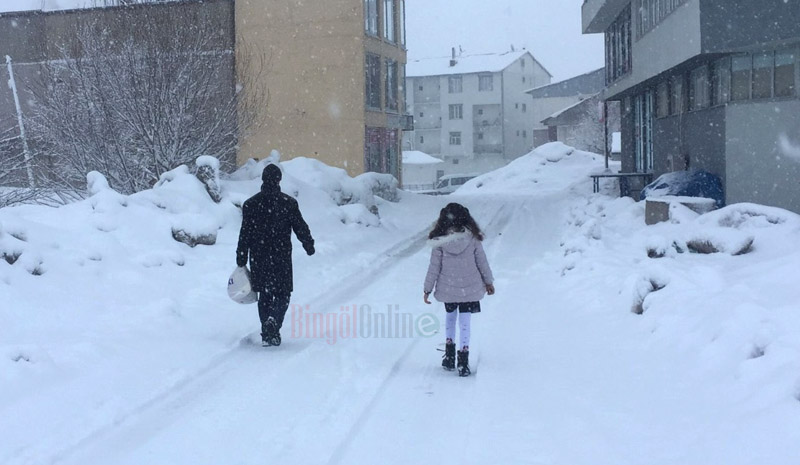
(313, 401)
(566, 373)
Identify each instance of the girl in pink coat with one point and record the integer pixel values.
(459, 276)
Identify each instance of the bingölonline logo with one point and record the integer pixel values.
(360, 322)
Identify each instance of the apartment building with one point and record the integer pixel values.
(334, 74)
(335, 79)
(472, 110)
(709, 85)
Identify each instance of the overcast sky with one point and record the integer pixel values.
(550, 29)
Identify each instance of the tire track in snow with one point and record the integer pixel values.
(499, 221)
(192, 387)
(194, 381)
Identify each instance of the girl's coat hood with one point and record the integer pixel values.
(453, 243)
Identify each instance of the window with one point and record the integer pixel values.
(721, 81)
(516, 106)
(389, 32)
(454, 84)
(643, 131)
(699, 95)
(618, 47)
(762, 74)
(402, 18)
(421, 88)
(371, 17)
(480, 111)
(455, 160)
(784, 74)
(391, 85)
(421, 114)
(676, 95)
(373, 86)
(662, 100)
(522, 63)
(421, 139)
(457, 111)
(525, 133)
(485, 82)
(480, 136)
(740, 77)
(523, 79)
(455, 138)
(652, 12)
(524, 107)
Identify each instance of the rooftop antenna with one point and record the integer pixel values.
(453, 60)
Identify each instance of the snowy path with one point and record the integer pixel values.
(308, 401)
(561, 380)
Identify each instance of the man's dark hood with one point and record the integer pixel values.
(271, 178)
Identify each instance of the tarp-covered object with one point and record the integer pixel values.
(693, 183)
(239, 288)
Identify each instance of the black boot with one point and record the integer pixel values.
(273, 334)
(449, 359)
(463, 363)
(265, 336)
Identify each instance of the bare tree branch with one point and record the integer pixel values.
(136, 103)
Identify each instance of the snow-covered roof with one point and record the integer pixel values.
(44, 5)
(574, 105)
(585, 84)
(465, 64)
(7, 6)
(415, 157)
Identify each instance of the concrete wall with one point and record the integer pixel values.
(698, 137)
(736, 24)
(518, 109)
(758, 170)
(676, 39)
(315, 78)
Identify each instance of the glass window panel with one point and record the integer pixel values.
(722, 81)
(662, 100)
(373, 81)
(371, 17)
(762, 75)
(676, 95)
(785, 74)
(389, 32)
(740, 77)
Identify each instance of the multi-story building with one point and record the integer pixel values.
(707, 84)
(335, 80)
(472, 110)
(573, 113)
(334, 75)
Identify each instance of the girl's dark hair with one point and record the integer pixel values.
(455, 217)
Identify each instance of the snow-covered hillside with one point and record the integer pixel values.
(608, 341)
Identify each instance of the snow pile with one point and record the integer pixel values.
(553, 167)
(717, 291)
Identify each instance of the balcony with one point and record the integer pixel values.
(597, 15)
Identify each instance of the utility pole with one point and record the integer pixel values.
(12, 84)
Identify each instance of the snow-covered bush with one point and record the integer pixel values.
(380, 185)
(208, 174)
(358, 214)
(194, 229)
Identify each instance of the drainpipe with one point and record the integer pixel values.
(12, 84)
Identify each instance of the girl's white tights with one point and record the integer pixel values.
(450, 327)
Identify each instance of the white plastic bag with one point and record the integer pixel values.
(239, 288)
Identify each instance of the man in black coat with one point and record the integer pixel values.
(268, 219)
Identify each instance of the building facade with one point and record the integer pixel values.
(472, 111)
(335, 78)
(708, 85)
(551, 99)
(334, 75)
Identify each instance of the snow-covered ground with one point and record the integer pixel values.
(118, 345)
